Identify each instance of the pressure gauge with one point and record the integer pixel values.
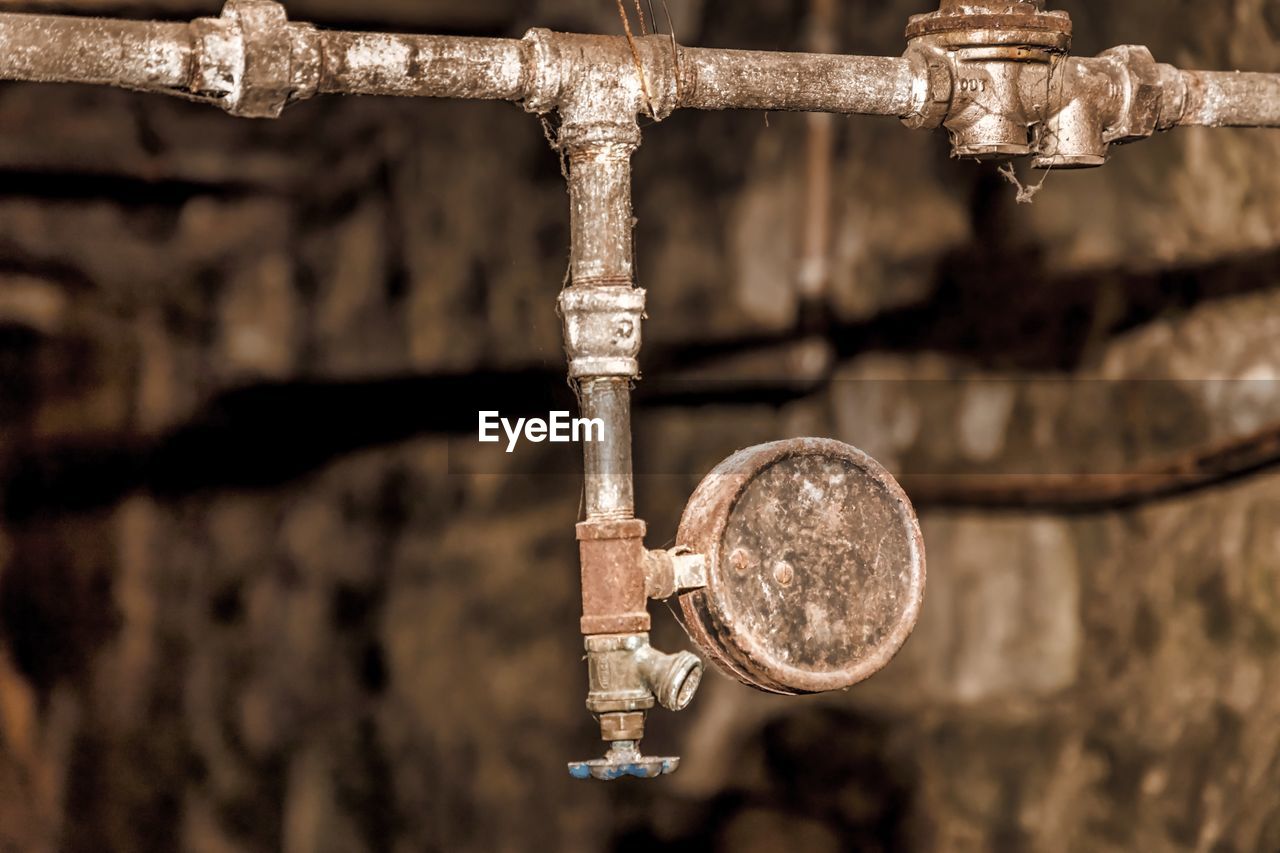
(815, 566)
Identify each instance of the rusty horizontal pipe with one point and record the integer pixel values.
(709, 79)
(64, 49)
(799, 82)
(1231, 99)
(167, 57)
(1195, 470)
(171, 58)
(423, 66)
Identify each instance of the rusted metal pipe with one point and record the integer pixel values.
(609, 491)
(1200, 468)
(1231, 99)
(423, 66)
(797, 82)
(252, 61)
(601, 308)
(601, 252)
(58, 49)
(175, 57)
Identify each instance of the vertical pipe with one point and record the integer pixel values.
(815, 243)
(601, 258)
(600, 198)
(609, 490)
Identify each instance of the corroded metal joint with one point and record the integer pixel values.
(994, 23)
(602, 330)
(252, 61)
(614, 588)
(996, 52)
(626, 675)
(593, 78)
(933, 89)
(1121, 96)
(1153, 94)
(670, 573)
(544, 72)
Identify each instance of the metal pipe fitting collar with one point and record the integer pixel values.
(602, 330)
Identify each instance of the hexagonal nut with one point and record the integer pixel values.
(267, 76)
(623, 726)
(934, 84)
(1141, 116)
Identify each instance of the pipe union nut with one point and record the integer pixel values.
(1146, 85)
(252, 62)
(602, 330)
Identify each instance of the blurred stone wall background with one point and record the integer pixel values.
(248, 601)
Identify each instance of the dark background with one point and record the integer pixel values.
(250, 599)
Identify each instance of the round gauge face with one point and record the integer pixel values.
(816, 566)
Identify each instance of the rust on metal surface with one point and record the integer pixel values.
(989, 22)
(614, 595)
(801, 567)
(816, 566)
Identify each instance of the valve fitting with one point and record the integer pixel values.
(627, 675)
(992, 49)
(996, 75)
(1120, 96)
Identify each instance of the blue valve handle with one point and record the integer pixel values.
(621, 761)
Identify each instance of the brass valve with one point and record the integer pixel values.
(1000, 80)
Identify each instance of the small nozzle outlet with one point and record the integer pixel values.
(674, 679)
